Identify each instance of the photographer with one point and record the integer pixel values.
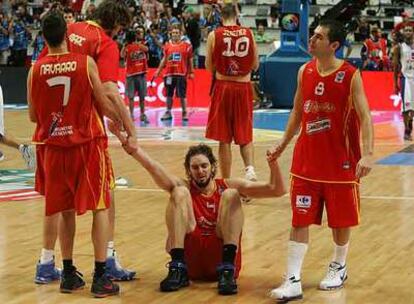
(155, 43)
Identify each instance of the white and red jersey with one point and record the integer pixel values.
(136, 59)
(233, 53)
(206, 207)
(177, 56)
(328, 147)
(61, 94)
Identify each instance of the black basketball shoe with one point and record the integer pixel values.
(226, 282)
(177, 277)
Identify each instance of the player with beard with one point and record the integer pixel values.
(204, 217)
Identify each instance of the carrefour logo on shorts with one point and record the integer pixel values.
(303, 201)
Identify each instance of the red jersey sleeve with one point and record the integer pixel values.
(107, 62)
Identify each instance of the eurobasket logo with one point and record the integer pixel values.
(290, 22)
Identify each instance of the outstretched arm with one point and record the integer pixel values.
(275, 187)
(161, 177)
(294, 121)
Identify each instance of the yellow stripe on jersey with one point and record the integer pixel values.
(101, 203)
(324, 181)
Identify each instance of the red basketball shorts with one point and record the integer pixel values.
(40, 174)
(78, 177)
(231, 112)
(308, 199)
(203, 253)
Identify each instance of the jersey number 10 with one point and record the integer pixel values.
(241, 47)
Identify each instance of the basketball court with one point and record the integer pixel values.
(379, 264)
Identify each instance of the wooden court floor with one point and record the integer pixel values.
(380, 263)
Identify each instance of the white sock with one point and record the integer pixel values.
(110, 251)
(46, 256)
(248, 168)
(296, 254)
(340, 253)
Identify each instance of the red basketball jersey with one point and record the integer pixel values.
(328, 147)
(206, 207)
(61, 94)
(177, 56)
(233, 53)
(90, 39)
(136, 59)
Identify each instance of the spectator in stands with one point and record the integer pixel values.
(155, 43)
(274, 14)
(89, 6)
(38, 45)
(68, 15)
(374, 52)
(362, 31)
(4, 39)
(212, 15)
(260, 36)
(399, 27)
(89, 11)
(340, 52)
(152, 8)
(20, 31)
(193, 32)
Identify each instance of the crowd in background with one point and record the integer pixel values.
(21, 39)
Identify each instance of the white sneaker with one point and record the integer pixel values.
(29, 156)
(334, 278)
(291, 289)
(249, 174)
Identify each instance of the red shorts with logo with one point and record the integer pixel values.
(231, 112)
(308, 199)
(203, 253)
(78, 177)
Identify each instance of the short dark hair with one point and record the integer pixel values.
(68, 10)
(336, 30)
(111, 13)
(200, 149)
(130, 36)
(54, 28)
(228, 11)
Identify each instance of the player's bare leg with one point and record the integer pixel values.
(337, 270)
(46, 270)
(167, 115)
(225, 159)
(113, 266)
(131, 108)
(71, 279)
(229, 227)
(184, 109)
(102, 286)
(180, 221)
(291, 288)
